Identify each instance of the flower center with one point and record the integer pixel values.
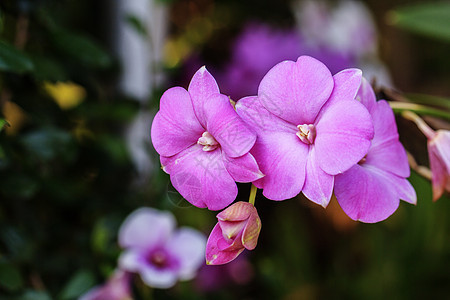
(208, 142)
(306, 133)
(159, 259)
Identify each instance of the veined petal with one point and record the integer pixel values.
(366, 196)
(296, 91)
(175, 127)
(346, 85)
(343, 137)
(188, 246)
(386, 151)
(243, 169)
(318, 185)
(251, 232)
(282, 158)
(366, 95)
(440, 179)
(224, 124)
(158, 278)
(214, 256)
(135, 233)
(259, 119)
(201, 88)
(201, 177)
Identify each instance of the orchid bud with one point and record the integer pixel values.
(238, 229)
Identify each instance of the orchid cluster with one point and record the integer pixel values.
(155, 250)
(306, 131)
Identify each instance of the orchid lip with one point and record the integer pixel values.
(208, 142)
(306, 133)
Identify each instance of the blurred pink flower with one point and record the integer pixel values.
(371, 190)
(203, 143)
(238, 229)
(309, 128)
(439, 153)
(158, 252)
(116, 288)
(259, 47)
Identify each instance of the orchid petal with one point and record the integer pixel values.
(318, 185)
(188, 246)
(224, 124)
(145, 228)
(214, 256)
(201, 88)
(343, 137)
(296, 91)
(158, 278)
(366, 95)
(175, 127)
(243, 169)
(201, 177)
(365, 194)
(282, 158)
(259, 119)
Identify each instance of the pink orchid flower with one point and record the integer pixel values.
(158, 252)
(439, 153)
(203, 143)
(238, 229)
(309, 127)
(371, 190)
(116, 288)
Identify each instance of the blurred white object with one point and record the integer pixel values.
(348, 27)
(140, 57)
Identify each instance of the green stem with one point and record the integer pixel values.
(399, 107)
(426, 130)
(252, 197)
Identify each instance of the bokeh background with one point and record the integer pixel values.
(80, 82)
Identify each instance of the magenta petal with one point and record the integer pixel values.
(224, 124)
(346, 85)
(386, 152)
(318, 184)
(282, 158)
(175, 127)
(214, 256)
(201, 88)
(365, 195)
(440, 178)
(243, 169)
(260, 119)
(343, 137)
(134, 231)
(188, 246)
(201, 177)
(296, 91)
(366, 95)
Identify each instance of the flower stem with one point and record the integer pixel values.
(400, 107)
(252, 197)
(426, 130)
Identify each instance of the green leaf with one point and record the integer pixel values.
(3, 123)
(82, 48)
(80, 283)
(47, 69)
(429, 19)
(429, 100)
(13, 60)
(49, 143)
(10, 277)
(35, 295)
(136, 24)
